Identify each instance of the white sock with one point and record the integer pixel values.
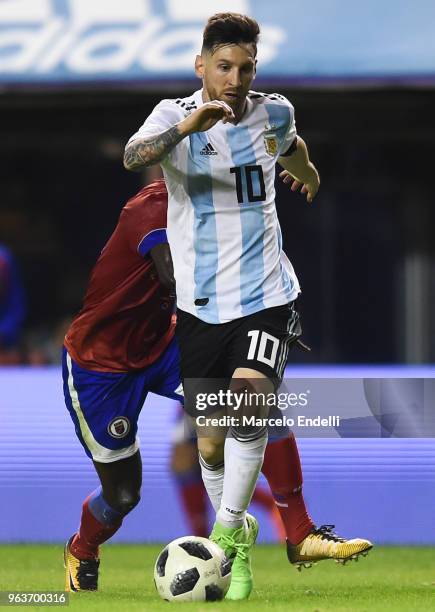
(243, 462)
(213, 478)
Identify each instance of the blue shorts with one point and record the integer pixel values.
(105, 406)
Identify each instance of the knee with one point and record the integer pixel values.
(211, 450)
(124, 500)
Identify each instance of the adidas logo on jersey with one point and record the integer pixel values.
(208, 150)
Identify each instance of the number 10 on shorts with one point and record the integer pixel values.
(263, 344)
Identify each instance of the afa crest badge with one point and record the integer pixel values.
(270, 140)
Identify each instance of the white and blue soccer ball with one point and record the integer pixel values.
(192, 569)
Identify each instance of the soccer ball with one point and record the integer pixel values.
(192, 569)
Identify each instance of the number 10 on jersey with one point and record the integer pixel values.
(249, 183)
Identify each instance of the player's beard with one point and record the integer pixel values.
(237, 105)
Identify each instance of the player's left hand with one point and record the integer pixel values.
(310, 186)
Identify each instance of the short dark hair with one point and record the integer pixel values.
(229, 29)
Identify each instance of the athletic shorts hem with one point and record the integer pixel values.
(116, 455)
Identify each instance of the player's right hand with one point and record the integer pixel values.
(206, 116)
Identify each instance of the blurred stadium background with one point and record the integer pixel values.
(77, 77)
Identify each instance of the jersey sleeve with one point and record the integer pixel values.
(144, 221)
(151, 239)
(289, 139)
(166, 114)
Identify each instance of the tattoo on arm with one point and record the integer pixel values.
(148, 151)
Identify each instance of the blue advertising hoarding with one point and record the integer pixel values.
(379, 485)
(145, 41)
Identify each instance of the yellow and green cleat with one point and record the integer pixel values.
(323, 543)
(80, 574)
(237, 545)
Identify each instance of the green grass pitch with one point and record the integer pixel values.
(388, 579)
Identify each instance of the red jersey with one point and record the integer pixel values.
(126, 321)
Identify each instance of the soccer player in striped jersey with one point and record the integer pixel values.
(235, 287)
(118, 348)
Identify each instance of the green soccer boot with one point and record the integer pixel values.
(237, 545)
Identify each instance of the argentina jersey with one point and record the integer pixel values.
(223, 228)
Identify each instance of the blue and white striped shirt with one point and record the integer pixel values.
(223, 228)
